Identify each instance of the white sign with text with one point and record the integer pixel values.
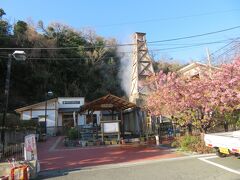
(111, 127)
(30, 147)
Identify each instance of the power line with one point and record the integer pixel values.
(128, 44)
(228, 44)
(227, 51)
(235, 40)
(221, 48)
(194, 36)
(184, 44)
(163, 49)
(70, 47)
(127, 52)
(193, 45)
(60, 58)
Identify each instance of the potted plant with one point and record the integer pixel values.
(122, 141)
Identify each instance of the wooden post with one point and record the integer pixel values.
(56, 115)
(122, 124)
(92, 123)
(119, 133)
(102, 128)
(112, 113)
(96, 127)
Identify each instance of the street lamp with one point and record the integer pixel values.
(48, 94)
(19, 56)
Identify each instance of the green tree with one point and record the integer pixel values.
(83, 66)
(2, 13)
(166, 67)
(20, 28)
(4, 25)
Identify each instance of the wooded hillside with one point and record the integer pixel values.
(65, 61)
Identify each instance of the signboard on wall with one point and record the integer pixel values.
(30, 148)
(71, 102)
(106, 105)
(111, 127)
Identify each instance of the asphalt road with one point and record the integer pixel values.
(182, 168)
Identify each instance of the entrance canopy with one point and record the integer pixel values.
(108, 102)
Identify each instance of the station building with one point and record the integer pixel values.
(59, 112)
(62, 113)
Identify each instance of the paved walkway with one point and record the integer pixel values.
(54, 156)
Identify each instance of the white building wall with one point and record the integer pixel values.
(197, 70)
(71, 102)
(191, 72)
(51, 120)
(59, 119)
(53, 114)
(50, 105)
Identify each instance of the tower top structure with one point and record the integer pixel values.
(142, 67)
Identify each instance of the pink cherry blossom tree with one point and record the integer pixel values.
(197, 100)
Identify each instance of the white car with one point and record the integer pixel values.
(225, 143)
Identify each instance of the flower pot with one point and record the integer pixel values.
(123, 141)
(90, 143)
(98, 143)
(114, 142)
(107, 142)
(84, 143)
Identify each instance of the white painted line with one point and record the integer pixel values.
(210, 157)
(138, 163)
(218, 165)
(53, 147)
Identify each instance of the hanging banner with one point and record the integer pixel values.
(30, 148)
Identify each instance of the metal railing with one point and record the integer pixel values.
(15, 151)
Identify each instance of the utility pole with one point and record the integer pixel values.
(6, 92)
(19, 56)
(209, 62)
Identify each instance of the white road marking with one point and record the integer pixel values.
(138, 163)
(205, 159)
(53, 147)
(209, 157)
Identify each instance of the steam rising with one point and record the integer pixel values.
(125, 73)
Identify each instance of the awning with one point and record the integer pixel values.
(108, 102)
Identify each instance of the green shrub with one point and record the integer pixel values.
(14, 123)
(187, 142)
(200, 147)
(73, 134)
(175, 144)
(191, 143)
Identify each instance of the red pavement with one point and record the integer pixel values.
(65, 158)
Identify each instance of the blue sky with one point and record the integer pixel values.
(159, 19)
